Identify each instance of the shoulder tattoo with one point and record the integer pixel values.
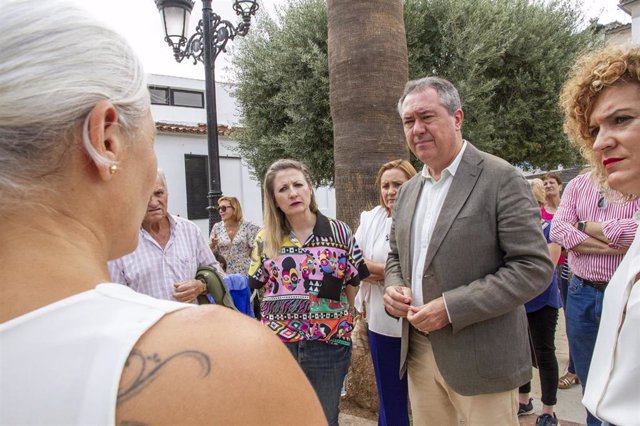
(147, 368)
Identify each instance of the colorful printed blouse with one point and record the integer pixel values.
(305, 297)
(236, 252)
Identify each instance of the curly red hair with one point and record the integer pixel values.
(591, 74)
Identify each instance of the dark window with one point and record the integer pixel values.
(159, 95)
(197, 189)
(176, 97)
(187, 98)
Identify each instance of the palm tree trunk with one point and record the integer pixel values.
(368, 68)
(367, 72)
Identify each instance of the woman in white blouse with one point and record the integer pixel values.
(602, 107)
(384, 331)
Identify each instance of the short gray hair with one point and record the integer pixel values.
(58, 63)
(163, 178)
(449, 96)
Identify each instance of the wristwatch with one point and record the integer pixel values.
(582, 225)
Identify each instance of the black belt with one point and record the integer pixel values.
(598, 285)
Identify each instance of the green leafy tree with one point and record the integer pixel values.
(508, 58)
(283, 90)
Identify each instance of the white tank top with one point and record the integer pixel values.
(61, 364)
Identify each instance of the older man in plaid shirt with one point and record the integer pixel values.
(170, 251)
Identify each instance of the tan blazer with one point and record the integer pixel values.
(487, 256)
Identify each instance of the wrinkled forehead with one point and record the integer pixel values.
(159, 185)
(289, 175)
(424, 99)
(622, 94)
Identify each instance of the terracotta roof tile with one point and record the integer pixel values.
(197, 129)
(615, 26)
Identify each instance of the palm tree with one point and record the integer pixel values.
(367, 72)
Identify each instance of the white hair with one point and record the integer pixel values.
(58, 61)
(163, 178)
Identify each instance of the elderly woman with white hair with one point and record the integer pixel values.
(77, 167)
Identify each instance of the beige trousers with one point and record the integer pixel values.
(433, 402)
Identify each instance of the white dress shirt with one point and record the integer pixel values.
(426, 214)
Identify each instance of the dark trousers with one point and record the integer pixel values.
(564, 274)
(392, 390)
(542, 326)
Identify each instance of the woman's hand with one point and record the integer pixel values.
(213, 243)
(376, 272)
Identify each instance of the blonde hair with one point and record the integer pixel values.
(537, 187)
(400, 164)
(590, 75)
(235, 203)
(276, 227)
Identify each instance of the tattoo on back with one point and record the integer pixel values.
(149, 367)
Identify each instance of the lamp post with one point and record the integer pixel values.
(210, 38)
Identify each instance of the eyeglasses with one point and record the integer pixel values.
(223, 209)
(602, 201)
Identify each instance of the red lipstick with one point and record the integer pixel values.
(609, 161)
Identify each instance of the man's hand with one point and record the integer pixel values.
(397, 300)
(429, 317)
(187, 291)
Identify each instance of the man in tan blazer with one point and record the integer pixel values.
(467, 251)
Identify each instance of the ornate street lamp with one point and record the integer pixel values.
(210, 38)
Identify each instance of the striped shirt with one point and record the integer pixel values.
(583, 201)
(153, 271)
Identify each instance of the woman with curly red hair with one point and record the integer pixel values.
(601, 102)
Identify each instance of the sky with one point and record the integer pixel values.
(139, 21)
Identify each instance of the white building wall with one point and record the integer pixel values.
(235, 175)
(635, 26)
(632, 8)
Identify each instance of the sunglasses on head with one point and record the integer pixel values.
(602, 202)
(223, 209)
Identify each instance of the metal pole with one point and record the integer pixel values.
(215, 190)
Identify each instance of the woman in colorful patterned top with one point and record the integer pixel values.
(233, 237)
(310, 267)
